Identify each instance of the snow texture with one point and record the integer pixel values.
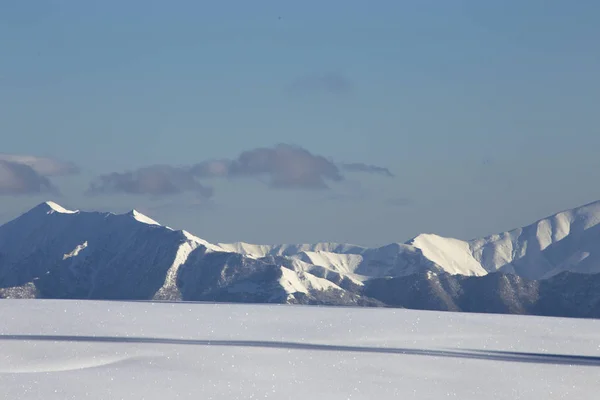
(60, 350)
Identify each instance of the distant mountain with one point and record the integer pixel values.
(566, 241)
(550, 267)
(52, 252)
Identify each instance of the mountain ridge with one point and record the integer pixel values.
(479, 256)
(53, 252)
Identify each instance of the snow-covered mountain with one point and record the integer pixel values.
(58, 253)
(53, 252)
(566, 241)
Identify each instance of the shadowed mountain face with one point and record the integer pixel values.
(493, 293)
(547, 268)
(564, 295)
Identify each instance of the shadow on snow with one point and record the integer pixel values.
(491, 355)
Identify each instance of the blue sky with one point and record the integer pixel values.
(485, 113)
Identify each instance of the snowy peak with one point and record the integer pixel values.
(212, 247)
(50, 207)
(53, 252)
(452, 255)
(566, 241)
(50, 235)
(138, 216)
(67, 254)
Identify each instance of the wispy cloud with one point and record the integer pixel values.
(367, 168)
(329, 82)
(29, 175)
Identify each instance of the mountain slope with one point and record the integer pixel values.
(88, 254)
(566, 241)
(563, 295)
(363, 263)
(53, 252)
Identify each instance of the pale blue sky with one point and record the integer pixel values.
(485, 112)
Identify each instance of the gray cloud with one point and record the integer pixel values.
(330, 82)
(285, 166)
(367, 168)
(27, 175)
(155, 180)
(44, 166)
(22, 179)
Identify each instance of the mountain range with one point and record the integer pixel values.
(551, 267)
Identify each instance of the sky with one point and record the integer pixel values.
(285, 121)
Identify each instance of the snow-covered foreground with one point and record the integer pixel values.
(143, 350)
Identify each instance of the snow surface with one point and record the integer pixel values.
(59, 350)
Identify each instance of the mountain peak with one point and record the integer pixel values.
(138, 216)
(49, 207)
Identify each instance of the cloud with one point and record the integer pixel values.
(330, 82)
(285, 167)
(367, 168)
(282, 166)
(42, 165)
(22, 179)
(158, 180)
(27, 175)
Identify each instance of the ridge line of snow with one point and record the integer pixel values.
(138, 216)
(567, 235)
(54, 207)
